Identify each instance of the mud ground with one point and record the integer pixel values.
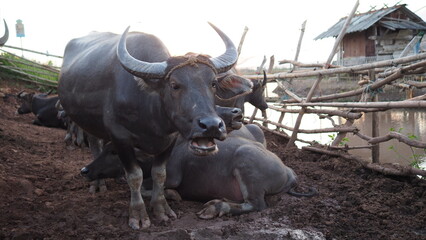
(42, 196)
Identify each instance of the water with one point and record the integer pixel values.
(409, 122)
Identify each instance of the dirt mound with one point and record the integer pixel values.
(42, 196)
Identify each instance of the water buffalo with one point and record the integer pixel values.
(255, 97)
(242, 172)
(43, 107)
(136, 95)
(5, 36)
(106, 164)
(240, 175)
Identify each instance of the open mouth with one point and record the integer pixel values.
(237, 122)
(203, 146)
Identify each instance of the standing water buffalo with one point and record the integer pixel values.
(5, 36)
(43, 107)
(136, 95)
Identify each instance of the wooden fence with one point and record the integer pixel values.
(378, 74)
(20, 68)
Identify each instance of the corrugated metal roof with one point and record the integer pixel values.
(364, 21)
(393, 25)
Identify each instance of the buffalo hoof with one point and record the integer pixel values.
(134, 223)
(166, 216)
(214, 208)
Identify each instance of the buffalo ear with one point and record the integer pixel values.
(231, 85)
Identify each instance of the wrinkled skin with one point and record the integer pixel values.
(139, 97)
(43, 107)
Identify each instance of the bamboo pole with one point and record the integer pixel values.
(260, 68)
(331, 112)
(306, 65)
(346, 147)
(283, 134)
(309, 131)
(240, 46)
(417, 84)
(375, 150)
(253, 115)
(372, 87)
(299, 44)
(32, 51)
(399, 137)
(316, 83)
(290, 93)
(391, 104)
(350, 69)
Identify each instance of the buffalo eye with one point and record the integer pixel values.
(214, 84)
(174, 86)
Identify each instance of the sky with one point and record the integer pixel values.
(274, 25)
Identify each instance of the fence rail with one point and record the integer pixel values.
(20, 68)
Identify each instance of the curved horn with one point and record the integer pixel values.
(137, 67)
(265, 79)
(19, 94)
(3, 39)
(227, 60)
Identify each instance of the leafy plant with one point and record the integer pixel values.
(415, 159)
(332, 137)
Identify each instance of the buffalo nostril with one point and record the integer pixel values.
(210, 123)
(84, 171)
(236, 111)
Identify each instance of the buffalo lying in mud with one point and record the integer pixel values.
(242, 172)
(43, 107)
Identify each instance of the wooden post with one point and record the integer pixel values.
(409, 93)
(316, 83)
(253, 115)
(265, 118)
(240, 46)
(375, 150)
(281, 118)
(299, 44)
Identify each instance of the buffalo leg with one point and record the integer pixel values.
(218, 208)
(134, 176)
(97, 184)
(162, 210)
